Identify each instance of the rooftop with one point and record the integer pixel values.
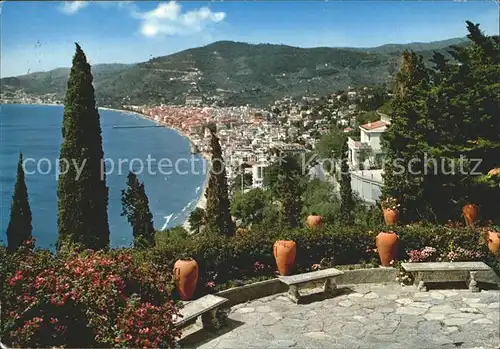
(373, 125)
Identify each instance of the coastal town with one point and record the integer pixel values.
(251, 137)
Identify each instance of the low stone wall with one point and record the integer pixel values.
(242, 294)
(367, 276)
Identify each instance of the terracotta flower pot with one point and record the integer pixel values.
(493, 239)
(387, 247)
(470, 213)
(391, 216)
(186, 277)
(284, 253)
(314, 221)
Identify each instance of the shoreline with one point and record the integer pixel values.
(201, 202)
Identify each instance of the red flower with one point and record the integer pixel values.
(17, 277)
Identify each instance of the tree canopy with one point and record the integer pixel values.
(446, 128)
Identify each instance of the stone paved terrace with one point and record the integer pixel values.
(366, 316)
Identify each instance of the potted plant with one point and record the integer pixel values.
(387, 247)
(186, 277)
(470, 211)
(492, 237)
(284, 251)
(390, 207)
(314, 221)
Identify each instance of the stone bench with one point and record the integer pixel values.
(445, 272)
(206, 307)
(295, 281)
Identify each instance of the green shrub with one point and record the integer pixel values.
(174, 235)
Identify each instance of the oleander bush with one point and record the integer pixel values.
(85, 300)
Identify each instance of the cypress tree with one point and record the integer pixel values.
(347, 201)
(19, 228)
(217, 213)
(286, 183)
(83, 197)
(135, 205)
(196, 219)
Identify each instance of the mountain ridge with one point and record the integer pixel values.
(231, 73)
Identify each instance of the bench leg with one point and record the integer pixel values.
(330, 286)
(293, 293)
(209, 320)
(421, 286)
(472, 282)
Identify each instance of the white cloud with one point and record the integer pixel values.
(168, 19)
(72, 7)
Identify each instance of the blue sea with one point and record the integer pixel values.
(35, 130)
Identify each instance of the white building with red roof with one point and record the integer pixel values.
(367, 150)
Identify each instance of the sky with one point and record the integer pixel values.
(40, 36)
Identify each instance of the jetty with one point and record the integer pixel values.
(136, 126)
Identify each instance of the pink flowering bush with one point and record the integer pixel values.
(427, 254)
(257, 266)
(316, 266)
(88, 300)
(146, 325)
(460, 254)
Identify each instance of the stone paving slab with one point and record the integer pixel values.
(366, 317)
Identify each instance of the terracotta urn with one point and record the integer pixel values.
(493, 239)
(314, 221)
(284, 253)
(387, 247)
(470, 213)
(186, 277)
(391, 217)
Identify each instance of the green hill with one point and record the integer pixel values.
(233, 73)
(416, 46)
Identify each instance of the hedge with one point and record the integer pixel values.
(249, 254)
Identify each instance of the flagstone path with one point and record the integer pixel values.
(365, 317)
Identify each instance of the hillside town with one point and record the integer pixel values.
(251, 137)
